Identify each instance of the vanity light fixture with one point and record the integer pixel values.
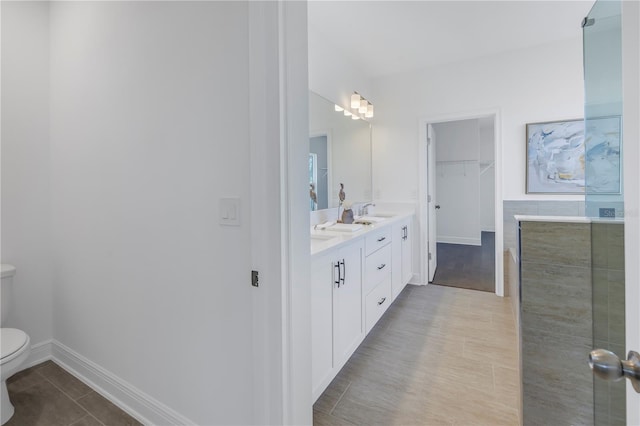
(363, 106)
(369, 113)
(360, 108)
(355, 100)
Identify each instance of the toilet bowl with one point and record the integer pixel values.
(15, 345)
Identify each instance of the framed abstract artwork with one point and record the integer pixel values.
(567, 157)
(602, 155)
(555, 157)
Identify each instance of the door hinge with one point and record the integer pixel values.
(429, 256)
(254, 279)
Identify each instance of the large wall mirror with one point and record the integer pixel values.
(339, 153)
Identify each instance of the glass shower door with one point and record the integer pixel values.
(604, 202)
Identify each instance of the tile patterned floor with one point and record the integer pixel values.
(47, 395)
(439, 356)
(465, 266)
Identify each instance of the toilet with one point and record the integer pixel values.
(15, 343)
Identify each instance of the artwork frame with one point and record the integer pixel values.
(555, 157)
(575, 156)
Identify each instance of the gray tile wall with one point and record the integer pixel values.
(534, 207)
(607, 250)
(556, 322)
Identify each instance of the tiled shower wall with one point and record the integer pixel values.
(607, 249)
(556, 323)
(537, 208)
(572, 300)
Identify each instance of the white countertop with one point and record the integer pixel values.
(566, 219)
(337, 238)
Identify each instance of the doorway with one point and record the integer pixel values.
(461, 203)
(465, 199)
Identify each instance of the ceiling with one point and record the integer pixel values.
(388, 37)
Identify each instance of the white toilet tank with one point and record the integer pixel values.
(7, 272)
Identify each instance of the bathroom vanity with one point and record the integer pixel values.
(355, 276)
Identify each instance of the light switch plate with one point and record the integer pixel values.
(230, 211)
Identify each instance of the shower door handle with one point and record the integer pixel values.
(608, 366)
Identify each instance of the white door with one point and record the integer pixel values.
(431, 201)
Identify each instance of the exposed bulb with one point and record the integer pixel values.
(355, 101)
(363, 106)
(369, 113)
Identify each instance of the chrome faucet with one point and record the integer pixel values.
(364, 210)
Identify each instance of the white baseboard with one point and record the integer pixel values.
(139, 405)
(460, 240)
(40, 352)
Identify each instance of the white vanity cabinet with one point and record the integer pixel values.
(402, 255)
(348, 331)
(321, 323)
(354, 279)
(336, 316)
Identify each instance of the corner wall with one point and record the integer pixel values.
(26, 201)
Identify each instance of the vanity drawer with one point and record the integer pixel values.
(377, 267)
(376, 239)
(377, 302)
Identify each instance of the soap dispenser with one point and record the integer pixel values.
(347, 213)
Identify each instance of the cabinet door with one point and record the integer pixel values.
(321, 324)
(397, 275)
(348, 330)
(407, 253)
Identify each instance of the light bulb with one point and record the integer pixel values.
(369, 113)
(347, 113)
(363, 106)
(338, 108)
(355, 117)
(355, 101)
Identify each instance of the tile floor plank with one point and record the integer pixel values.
(439, 356)
(48, 395)
(106, 411)
(43, 404)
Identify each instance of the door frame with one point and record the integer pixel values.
(631, 133)
(422, 186)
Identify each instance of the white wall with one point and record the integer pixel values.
(530, 85)
(26, 207)
(457, 182)
(457, 140)
(332, 73)
(147, 133)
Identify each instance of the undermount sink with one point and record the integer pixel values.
(384, 215)
(320, 241)
(320, 237)
(372, 219)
